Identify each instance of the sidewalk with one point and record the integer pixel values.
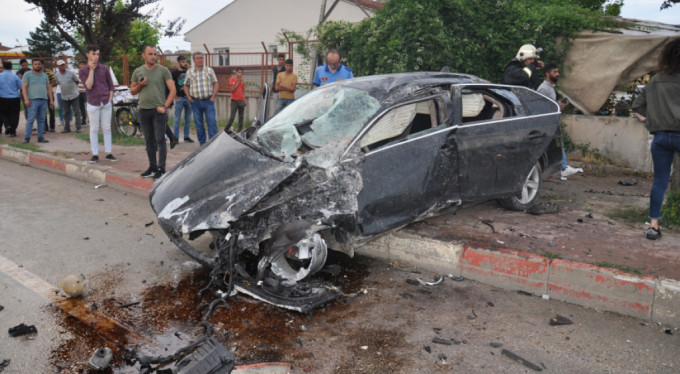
(553, 255)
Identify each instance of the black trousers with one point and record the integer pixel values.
(82, 100)
(153, 126)
(9, 114)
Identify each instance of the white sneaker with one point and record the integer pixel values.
(569, 171)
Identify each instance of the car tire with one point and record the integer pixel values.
(528, 196)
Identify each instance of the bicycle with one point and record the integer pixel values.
(127, 118)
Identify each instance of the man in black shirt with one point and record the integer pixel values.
(181, 101)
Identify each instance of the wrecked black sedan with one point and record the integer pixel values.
(349, 161)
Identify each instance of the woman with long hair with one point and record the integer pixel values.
(659, 107)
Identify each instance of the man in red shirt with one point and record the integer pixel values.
(238, 99)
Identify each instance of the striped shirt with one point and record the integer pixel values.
(200, 82)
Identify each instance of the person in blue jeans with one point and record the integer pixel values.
(200, 87)
(181, 102)
(658, 106)
(37, 92)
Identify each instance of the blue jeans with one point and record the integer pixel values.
(182, 103)
(207, 107)
(663, 148)
(283, 103)
(36, 111)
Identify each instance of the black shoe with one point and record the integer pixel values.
(150, 172)
(653, 234)
(173, 142)
(51, 130)
(27, 140)
(159, 173)
(188, 140)
(111, 157)
(94, 159)
(42, 140)
(78, 130)
(66, 131)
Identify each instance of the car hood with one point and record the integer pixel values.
(216, 185)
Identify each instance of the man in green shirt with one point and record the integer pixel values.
(150, 82)
(37, 93)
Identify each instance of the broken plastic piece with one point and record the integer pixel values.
(302, 297)
(544, 208)
(457, 279)
(100, 358)
(22, 330)
(628, 182)
(436, 281)
(521, 360)
(99, 186)
(427, 348)
(413, 282)
(496, 345)
(442, 357)
(439, 340)
(4, 364)
(210, 357)
(525, 293)
(560, 320)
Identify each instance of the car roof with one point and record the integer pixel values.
(401, 84)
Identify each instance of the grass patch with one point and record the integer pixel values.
(122, 140)
(20, 144)
(627, 269)
(630, 214)
(552, 256)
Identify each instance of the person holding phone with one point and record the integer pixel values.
(150, 81)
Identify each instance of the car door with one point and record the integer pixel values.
(501, 133)
(408, 165)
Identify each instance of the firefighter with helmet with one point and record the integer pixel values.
(521, 71)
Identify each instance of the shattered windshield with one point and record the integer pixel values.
(316, 119)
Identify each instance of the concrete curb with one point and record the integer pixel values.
(655, 299)
(78, 169)
(649, 298)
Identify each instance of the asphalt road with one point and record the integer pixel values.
(54, 226)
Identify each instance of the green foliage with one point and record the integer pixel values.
(46, 41)
(670, 211)
(141, 33)
(468, 36)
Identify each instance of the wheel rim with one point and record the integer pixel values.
(311, 249)
(125, 123)
(531, 186)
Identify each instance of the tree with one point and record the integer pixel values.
(100, 22)
(668, 3)
(45, 41)
(468, 36)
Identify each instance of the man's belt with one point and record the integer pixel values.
(201, 98)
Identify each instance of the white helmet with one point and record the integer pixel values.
(528, 51)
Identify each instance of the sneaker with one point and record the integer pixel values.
(569, 171)
(653, 234)
(159, 173)
(42, 140)
(173, 142)
(65, 131)
(94, 159)
(111, 158)
(51, 130)
(27, 140)
(188, 140)
(149, 172)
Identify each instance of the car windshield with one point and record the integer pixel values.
(316, 119)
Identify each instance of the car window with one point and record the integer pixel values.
(404, 122)
(483, 105)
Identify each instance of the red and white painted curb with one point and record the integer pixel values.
(78, 169)
(655, 299)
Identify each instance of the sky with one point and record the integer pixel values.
(19, 18)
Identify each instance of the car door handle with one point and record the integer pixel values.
(536, 135)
